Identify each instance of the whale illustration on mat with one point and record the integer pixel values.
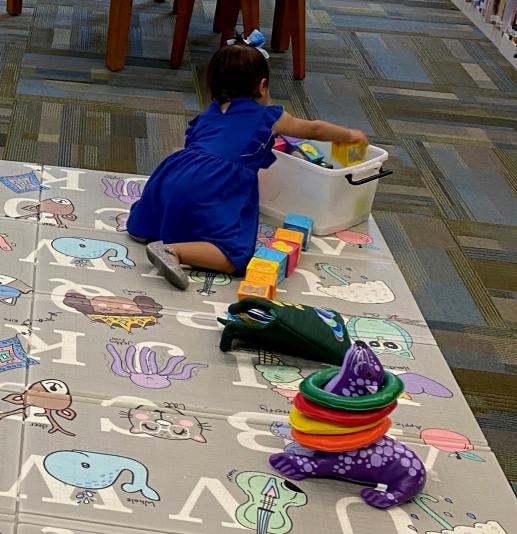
(90, 249)
(94, 471)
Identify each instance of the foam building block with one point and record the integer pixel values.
(349, 153)
(260, 277)
(300, 223)
(291, 235)
(266, 266)
(254, 290)
(279, 257)
(291, 249)
(280, 144)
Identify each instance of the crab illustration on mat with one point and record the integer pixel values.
(366, 292)
(125, 313)
(144, 370)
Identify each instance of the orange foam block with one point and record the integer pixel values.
(291, 235)
(254, 290)
(261, 278)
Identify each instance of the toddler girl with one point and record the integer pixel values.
(200, 206)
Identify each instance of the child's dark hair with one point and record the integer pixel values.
(235, 71)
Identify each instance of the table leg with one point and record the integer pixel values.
(250, 16)
(281, 27)
(14, 7)
(118, 33)
(297, 8)
(179, 41)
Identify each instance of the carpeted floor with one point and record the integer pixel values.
(415, 74)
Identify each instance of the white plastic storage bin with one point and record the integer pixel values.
(335, 198)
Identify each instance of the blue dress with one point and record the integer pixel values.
(209, 190)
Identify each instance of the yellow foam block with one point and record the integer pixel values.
(265, 266)
(260, 277)
(254, 290)
(291, 235)
(349, 153)
(305, 424)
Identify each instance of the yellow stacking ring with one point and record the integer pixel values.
(305, 424)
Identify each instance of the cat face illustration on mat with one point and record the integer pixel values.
(168, 424)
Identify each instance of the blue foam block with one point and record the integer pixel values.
(300, 223)
(277, 256)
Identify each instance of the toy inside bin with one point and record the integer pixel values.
(336, 199)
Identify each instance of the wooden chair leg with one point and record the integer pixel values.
(281, 27)
(14, 7)
(297, 8)
(118, 33)
(250, 15)
(175, 7)
(183, 18)
(226, 15)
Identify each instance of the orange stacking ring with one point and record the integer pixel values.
(338, 417)
(342, 443)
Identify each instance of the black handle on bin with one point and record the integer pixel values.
(369, 179)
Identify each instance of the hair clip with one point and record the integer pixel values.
(256, 39)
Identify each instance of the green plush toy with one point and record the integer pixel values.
(314, 333)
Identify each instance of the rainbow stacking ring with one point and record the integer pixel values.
(342, 443)
(301, 422)
(311, 389)
(337, 417)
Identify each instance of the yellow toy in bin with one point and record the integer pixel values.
(349, 154)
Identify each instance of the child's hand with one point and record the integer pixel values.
(356, 136)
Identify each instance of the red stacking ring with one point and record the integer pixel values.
(343, 442)
(310, 409)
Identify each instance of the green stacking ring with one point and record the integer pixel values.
(311, 389)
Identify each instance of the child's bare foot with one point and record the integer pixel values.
(167, 263)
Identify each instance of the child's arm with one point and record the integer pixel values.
(317, 130)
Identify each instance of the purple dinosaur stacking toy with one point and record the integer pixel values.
(361, 373)
(385, 461)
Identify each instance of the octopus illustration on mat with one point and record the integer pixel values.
(422, 500)
(82, 248)
(365, 292)
(143, 370)
(11, 289)
(269, 498)
(169, 424)
(57, 208)
(382, 335)
(94, 471)
(50, 395)
(127, 191)
(141, 312)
